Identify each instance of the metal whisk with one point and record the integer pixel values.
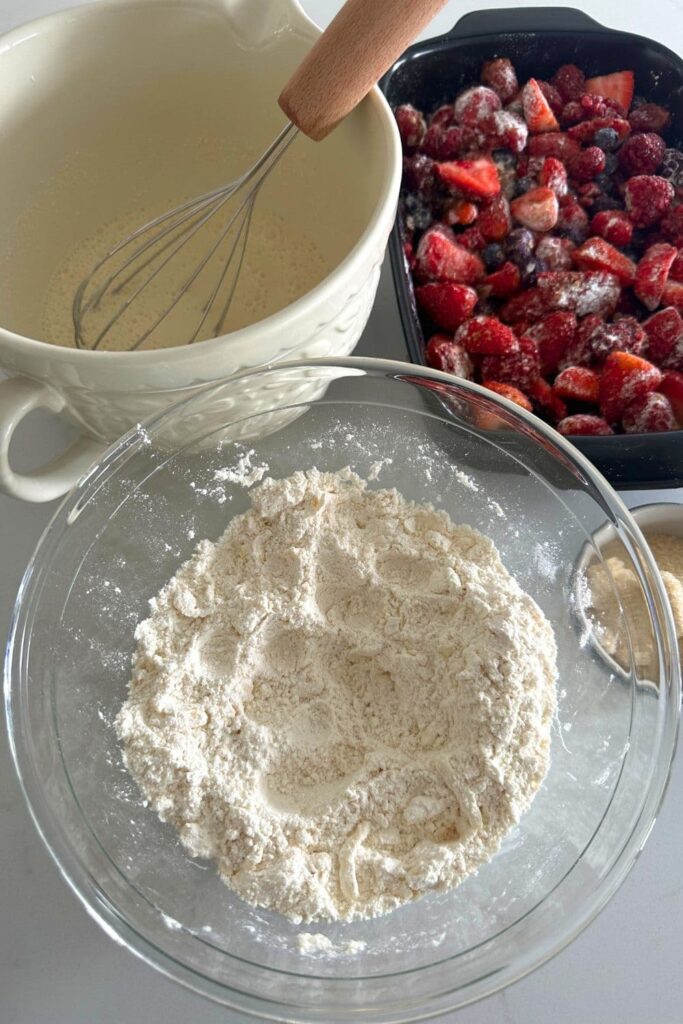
(346, 61)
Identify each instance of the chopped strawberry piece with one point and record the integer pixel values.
(617, 86)
(583, 292)
(555, 253)
(500, 75)
(649, 117)
(503, 282)
(648, 197)
(528, 306)
(543, 396)
(589, 164)
(537, 111)
(587, 130)
(460, 211)
(672, 225)
(652, 272)
(625, 377)
(537, 209)
(585, 425)
(664, 330)
(512, 394)
(478, 177)
(569, 81)
(579, 352)
(411, 125)
(614, 226)
(553, 174)
(443, 353)
(447, 304)
(553, 96)
(494, 219)
(672, 295)
(486, 335)
(676, 271)
(623, 335)
(475, 104)
(505, 130)
(578, 383)
(648, 414)
(553, 335)
(572, 218)
(520, 368)
(439, 257)
(642, 153)
(672, 386)
(557, 144)
(597, 254)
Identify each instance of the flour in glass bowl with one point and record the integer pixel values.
(345, 702)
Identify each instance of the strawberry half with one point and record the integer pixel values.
(672, 294)
(553, 336)
(508, 391)
(538, 113)
(582, 423)
(652, 272)
(537, 209)
(664, 331)
(597, 254)
(447, 304)
(486, 335)
(502, 283)
(617, 86)
(648, 414)
(672, 386)
(578, 384)
(477, 177)
(442, 353)
(625, 377)
(439, 257)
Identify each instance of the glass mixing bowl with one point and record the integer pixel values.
(140, 511)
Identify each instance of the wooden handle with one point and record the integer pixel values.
(355, 50)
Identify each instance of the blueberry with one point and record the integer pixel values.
(611, 163)
(607, 139)
(418, 215)
(604, 182)
(493, 256)
(605, 202)
(504, 159)
(524, 184)
(520, 246)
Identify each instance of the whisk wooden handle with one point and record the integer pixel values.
(356, 49)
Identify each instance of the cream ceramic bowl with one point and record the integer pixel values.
(100, 107)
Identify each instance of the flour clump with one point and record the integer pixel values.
(346, 701)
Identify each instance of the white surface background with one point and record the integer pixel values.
(57, 967)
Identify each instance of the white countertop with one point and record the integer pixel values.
(58, 967)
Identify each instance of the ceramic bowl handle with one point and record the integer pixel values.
(349, 58)
(18, 397)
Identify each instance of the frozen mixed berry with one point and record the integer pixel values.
(510, 392)
(543, 226)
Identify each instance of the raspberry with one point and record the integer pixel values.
(555, 253)
(578, 384)
(583, 424)
(589, 164)
(505, 130)
(475, 104)
(592, 105)
(569, 81)
(500, 76)
(672, 226)
(587, 130)
(648, 197)
(447, 304)
(625, 335)
(442, 353)
(672, 167)
(418, 174)
(512, 394)
(572, 112)
(411, 125)
(642, 154)
(520, 368)
(649, 118)
(648, 414)
(486, 335)
(553, 174)
(494, 220)
(553, 335)
(614, 226)
(443, 116)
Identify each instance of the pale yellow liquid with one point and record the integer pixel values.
(280, 265)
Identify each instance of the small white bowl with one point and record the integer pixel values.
(70, 100)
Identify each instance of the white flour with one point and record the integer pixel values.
(346, 701)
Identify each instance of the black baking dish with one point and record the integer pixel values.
(538, 40)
